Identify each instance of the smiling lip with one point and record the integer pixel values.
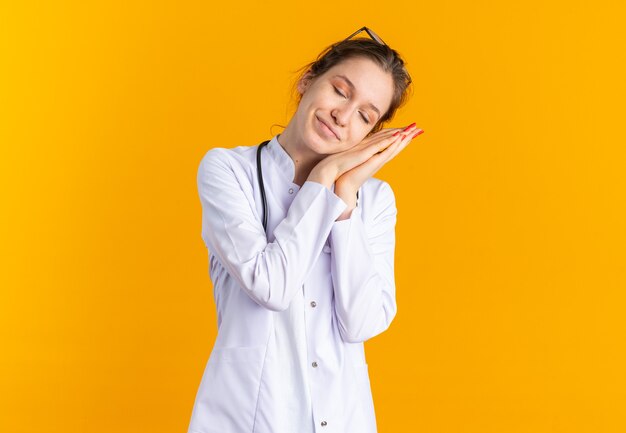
(328, 127)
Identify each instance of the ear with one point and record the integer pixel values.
(304, 82)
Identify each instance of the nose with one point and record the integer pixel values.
(341, 116)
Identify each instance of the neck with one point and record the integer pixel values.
(304, 159)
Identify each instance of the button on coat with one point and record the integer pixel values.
(258, 378)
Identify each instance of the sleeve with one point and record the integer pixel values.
(362, 267)
(270, 273)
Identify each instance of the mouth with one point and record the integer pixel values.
(327, 129)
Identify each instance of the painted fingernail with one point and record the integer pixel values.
(396, 133)
(421, 131)
(409, 127)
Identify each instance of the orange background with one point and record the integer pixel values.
(511, 251)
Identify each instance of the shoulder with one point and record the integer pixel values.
(222, 169)
(235, 159)
(217, 154)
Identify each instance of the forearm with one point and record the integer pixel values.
(270, 272)
(362, 267)
(363, 280)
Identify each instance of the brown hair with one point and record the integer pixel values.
(384, 56)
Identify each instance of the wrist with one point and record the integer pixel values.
(343, 189)
(323, 175)
(347, 195)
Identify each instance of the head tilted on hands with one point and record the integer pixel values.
(349, 92)
(386, 58)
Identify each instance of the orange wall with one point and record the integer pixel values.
(511, 226)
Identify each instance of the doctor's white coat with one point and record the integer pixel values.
(294, 306)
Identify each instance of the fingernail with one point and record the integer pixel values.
(421, 131)
(409, 127)
(396, 133)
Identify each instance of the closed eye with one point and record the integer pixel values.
(341, 94)
(338, 92)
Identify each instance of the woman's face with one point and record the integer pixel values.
(340, 107)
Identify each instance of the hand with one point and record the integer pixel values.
(352, 179)
(379, 147)
(347, 184)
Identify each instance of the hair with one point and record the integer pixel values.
(384, 56)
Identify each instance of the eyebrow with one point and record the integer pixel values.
(347, 80)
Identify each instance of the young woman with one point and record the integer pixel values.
(301, 253)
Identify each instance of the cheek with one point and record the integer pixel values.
(356, 139)
(363, 130)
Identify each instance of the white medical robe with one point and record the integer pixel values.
(293, 307)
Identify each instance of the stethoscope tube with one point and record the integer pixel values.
(262, 187)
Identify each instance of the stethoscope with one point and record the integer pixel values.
(262, 187)
(260, 174)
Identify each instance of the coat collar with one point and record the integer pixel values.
(279, 155)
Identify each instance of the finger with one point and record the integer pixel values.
(380, 158)
(402, 129)
(376, 139)
(411, 129)
(385, 154)
(378, 143)
(385, 133)
(404, 139)
(406, 130)
(370, 147)
(405, 142)
(396, 147)
(412, 132)
(417, 132)
(396, 131)
(359, 154)
(387, 143)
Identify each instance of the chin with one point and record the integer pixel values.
(319, 144)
